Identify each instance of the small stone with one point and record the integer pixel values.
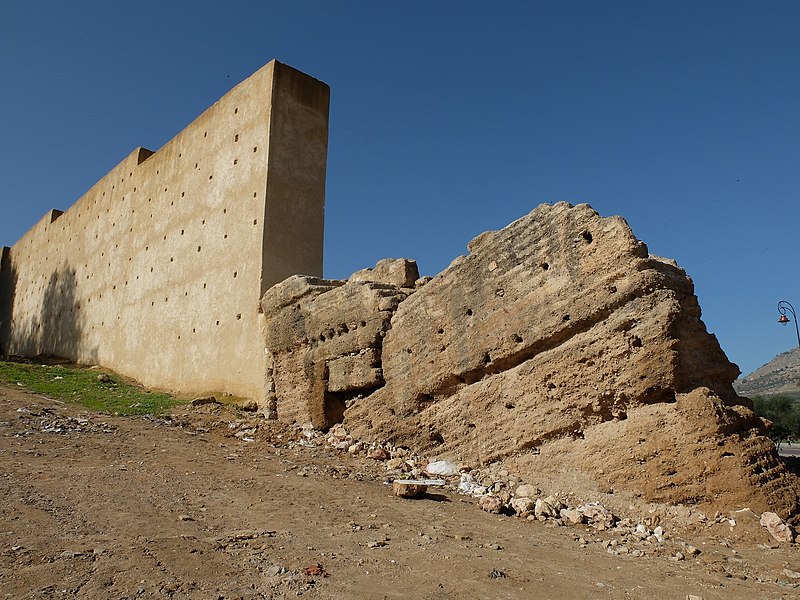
(185, 518)
(692, 550)
(103, 378)
(274, 570)
(523, 506)
(572, 515)
(248, 406)
(408, 490)
(376, 544)
(315, 570)
(776, 527)
(527, 490)
(491, 504)
(791, 574)
(693, 597)
(394, 464)
(204, 400)
(378, 453)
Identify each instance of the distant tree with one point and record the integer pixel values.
(784, 413)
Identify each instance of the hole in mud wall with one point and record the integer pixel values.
(436, 437)
(587, 235)
(566, 318)
(468, 312)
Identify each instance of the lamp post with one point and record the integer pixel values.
(783, 305)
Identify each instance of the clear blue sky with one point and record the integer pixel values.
(451, 118)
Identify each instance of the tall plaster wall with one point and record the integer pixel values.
(157, 271)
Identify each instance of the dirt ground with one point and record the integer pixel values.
(93, 506)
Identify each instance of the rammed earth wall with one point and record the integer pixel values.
(157, 271)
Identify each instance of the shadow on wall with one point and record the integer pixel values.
(57, 329)
(8, 289)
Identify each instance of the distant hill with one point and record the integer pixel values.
(781, 375)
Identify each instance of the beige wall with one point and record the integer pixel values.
(157, 271)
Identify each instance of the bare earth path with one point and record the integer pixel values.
(93, 506)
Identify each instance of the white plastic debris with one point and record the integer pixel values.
(443, 468)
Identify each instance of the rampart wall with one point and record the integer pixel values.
(157, 271)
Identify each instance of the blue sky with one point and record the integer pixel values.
(451, 118)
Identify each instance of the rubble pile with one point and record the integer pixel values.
(500, 492)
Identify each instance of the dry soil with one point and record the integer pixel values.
(94, 506)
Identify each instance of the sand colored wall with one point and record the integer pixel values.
(157, 271)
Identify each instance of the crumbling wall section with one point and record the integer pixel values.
(157, 271)
(324, 340)
(561, 348)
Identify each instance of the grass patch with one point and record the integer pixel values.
(108, 394)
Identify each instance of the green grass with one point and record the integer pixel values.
(81, 386)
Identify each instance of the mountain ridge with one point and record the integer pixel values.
(781, 375)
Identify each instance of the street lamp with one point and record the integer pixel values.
(783, 305)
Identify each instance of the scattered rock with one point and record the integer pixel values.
(248, 406)
(405, 489)
(204, 400)
(777, 527)
(523, 506)
(315, 570)
(791, 574)
(378, 453)
(527, 490)
(491, 504)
